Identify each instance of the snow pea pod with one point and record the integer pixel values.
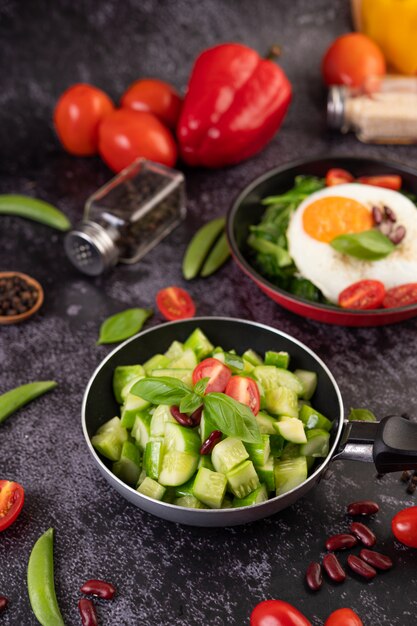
(199, 247)
(33, 209)
(14, 399)
(217, 256)
(40, 579)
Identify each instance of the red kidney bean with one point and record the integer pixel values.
(99, 588)
(87, 612)
(333, 568)
(181, 418)
(389, 214)
(376, 559)
(196, 416)
(314, 577)
(377, 215)
(340, 542)
(363, 507)
(3, 602)
(211, 441)
(363, 533)
(398, 235)
(360, 567)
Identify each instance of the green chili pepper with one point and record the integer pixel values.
(217, 257)
(199, 247)
(40, 577)
(14, 399)
(33, 209)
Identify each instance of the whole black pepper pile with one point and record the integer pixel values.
(16, 295)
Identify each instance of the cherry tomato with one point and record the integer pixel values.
(11, 502)
(175, 303)
(277, 613)
(363, 295)
(351, 59)
(218, 373)
(126, 135)
(244, 390)
(400, 296)
(337, 176)
(389, 181)
(404, 526)
(154, 96)
(343, 617)
(77, 118)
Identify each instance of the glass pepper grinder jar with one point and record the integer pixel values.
(127, 217)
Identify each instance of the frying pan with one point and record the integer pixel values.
(391, 444)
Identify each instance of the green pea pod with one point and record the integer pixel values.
(40, 578)
(33, 209)
(199, 247)
(14, 399)
(217, 256)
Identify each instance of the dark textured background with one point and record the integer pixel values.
(168, 574)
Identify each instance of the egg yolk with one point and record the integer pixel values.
(328, 217)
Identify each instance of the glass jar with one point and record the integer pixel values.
(127, 217)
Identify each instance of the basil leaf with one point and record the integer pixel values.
(361, 415)
(231, 417)
(123, 325)
(201, 385)
(161, 390)
(369, 245)
(190, 403)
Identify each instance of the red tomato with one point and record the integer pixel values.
(175, 303)
(126, 135)
(244, 390)
(337, 176)
(389, 181)
(277, 613)
(11, 502)
(363, 295)
(404, 526)
(77, 117)
(402, 295)
(343, 617)
(154, 96)
(218, 373)
(351, 59)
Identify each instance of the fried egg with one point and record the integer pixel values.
(347, 209)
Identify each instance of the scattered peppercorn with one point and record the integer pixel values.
(16, 295)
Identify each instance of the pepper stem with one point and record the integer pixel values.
(275, 51)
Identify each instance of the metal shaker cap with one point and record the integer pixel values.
(336, 107)
(91, 248)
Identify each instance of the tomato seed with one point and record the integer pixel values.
(361, 567)
(340, 542)
(376, 559)
(181, 418)
(363, 507)
(333, 568)
(363, 533)
(3, 602)
(314, 577)
(99, 588)
(87, 612)
(211, 441)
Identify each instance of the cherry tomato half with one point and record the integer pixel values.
(337, 176)
(175, 303)
(125, 135)
(351, 59)
(277, 613)
(400, 296)
(244, 390)
(11, 502)
(363, 295)
(404, 526)
(77, 117)
(154, 96)
(218, 373)
(343, 617)
(389, 181)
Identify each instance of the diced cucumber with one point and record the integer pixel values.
(289, 474)
(276, 443)
(190, 502)
(210, 487)
(206, 428)
(310, 462)
(205, 461)
(266, 474)
(156, 362)
(128, 467)
(279, 359)
(186, 489)
(234, 362)
(252, 357)
(259, 452)
(272, 377)
(290, 451)
(292, 429)
(181, 439)
(152, 459)
(152, 489)
(313, 419)
(175, 350)
(259, 495)
(123, 374)
(227, 454)
(125, 391)
(110, 438)
(141, 430)
(187, 360)
(199, 343)
(282, 401)
(132, 407)
(243, 479)
(177, 468)
(309, 382)
(141, 478)
(129, 416)
(111, 424)
(186, 375)
(266, 423)
(317, 444)
(161, 416)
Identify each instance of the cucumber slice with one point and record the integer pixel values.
(266, 423)
(317, 445)
(243, 479)
(272, 377)
(259, 452)
(132, 407)
(181, 439)
(279, 359)
(177, 468)
(125, 391)
(234, 362)
(290, 451)
(123, 374)
(292, 429)
(259, 495)
(187, 360)
(199, 343)
(186, 489)
(152, 489)
(111, 424)
(141, 478)
(161, 416)
(227, 454)
(110, 438)
(313, 419)
(175, 350)
(289, 474)
(309, 382)
(190, 502)
(152, 459)
(210, 487)
(266, 474)
(206, 428)
(156, 362)
(277, 443)
(252, 357)
(128, 467)
(186, 375)
(141, 430)
(282, 401)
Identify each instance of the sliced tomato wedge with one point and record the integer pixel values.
(337, 176)
(244, 390)
(11, 502)
(218, 373)
(390, 181)
(363, 295)
(175, 303)
(400, 296)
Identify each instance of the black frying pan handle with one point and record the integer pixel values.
(395, 446)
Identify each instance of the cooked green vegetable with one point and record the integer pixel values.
(200, 246)
(14, 399)
(369, 245)
(33, 209)
(123, 325)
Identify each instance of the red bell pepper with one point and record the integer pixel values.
(234, 105)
